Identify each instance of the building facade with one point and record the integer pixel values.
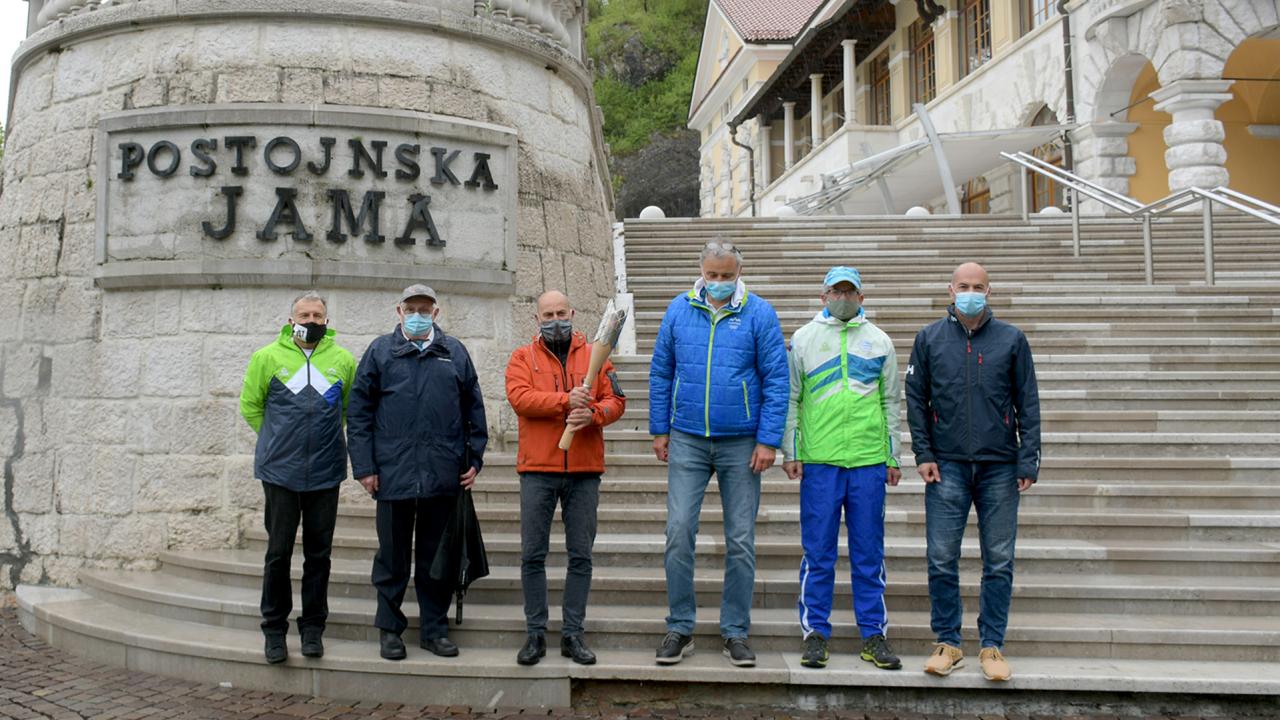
(1167, 94)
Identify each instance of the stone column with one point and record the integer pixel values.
(1195, 155)
(766, 154)
(850, 80)
(899, 82)
(815, 109)
(1102, 156)
(789, 129)
(947, 68)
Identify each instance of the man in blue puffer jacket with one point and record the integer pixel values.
(718, 390)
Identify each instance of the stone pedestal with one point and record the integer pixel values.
(1195, 155)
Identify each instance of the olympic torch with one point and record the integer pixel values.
(602, 347)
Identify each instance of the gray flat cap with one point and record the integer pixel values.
(418, 290)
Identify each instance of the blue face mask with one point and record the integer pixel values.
(417, 324)
(721, 290)
(971, 303)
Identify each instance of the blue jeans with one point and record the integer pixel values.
(691, 462)
(992, 488)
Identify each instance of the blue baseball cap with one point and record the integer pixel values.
(839, 274)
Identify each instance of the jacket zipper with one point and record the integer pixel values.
(706, 402)
(564, 375)
(968, 391)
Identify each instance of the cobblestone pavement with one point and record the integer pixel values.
(38, 681)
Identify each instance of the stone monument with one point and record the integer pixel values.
(176, 171)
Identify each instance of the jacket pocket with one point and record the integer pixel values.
(746, 399)
(674, 391)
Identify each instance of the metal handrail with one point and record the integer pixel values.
(1131, 208)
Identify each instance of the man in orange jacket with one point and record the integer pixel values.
(545, 387)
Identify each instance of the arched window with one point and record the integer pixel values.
(1045, 192)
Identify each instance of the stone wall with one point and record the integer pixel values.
(119, 430)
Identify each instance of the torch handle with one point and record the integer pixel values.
(566, 439)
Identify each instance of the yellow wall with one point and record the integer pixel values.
(1146, 144)
(1252, 162)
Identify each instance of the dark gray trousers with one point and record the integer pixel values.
(578, 496)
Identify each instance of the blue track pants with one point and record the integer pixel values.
(825, 491)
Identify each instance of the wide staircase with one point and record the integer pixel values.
(1148, 554)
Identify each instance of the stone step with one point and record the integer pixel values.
(903, 555)
(630, 490)
(780, 525)
(903, 333)
(1099, 347)
(489, 677)
(615, 595)
(1077, 444)
(1046, 362)
(908, 520)
(1264, 471)
(637, 418)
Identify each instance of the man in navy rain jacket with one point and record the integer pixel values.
(416, 432)
(974, 413)
(718, 390)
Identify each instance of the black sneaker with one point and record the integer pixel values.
(673, 648)
(739, 653)
(275, 649)
(876, 651)
(815, 651)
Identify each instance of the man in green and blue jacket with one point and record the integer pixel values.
(295, 397)
(841, 442)
(717, 404)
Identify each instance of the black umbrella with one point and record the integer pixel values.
(461, 558)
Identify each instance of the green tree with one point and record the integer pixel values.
(667, 29)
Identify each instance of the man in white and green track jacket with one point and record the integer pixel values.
(295, 398)
(841, 441)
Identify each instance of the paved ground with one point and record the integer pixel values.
(37, 681)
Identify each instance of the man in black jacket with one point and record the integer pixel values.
(974, 414)
(416, 432)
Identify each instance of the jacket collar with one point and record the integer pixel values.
(826, 318)
(987, 317)
(286, 338)
(698, 295)
(579, 340)
(401, 345)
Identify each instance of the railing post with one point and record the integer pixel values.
(1075, 221)
(1148, 265)
(1207, 212)
(1026, 181)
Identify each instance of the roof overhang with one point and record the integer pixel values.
(891, 181)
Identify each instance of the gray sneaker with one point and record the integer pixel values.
(673, 648)
(815, 651)
(739, 653)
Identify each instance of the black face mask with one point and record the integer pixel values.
(309, 333)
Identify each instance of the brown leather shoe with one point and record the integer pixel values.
(994, 666)
(944, 659)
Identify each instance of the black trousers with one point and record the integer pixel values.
(398, 522)
(317, 511)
